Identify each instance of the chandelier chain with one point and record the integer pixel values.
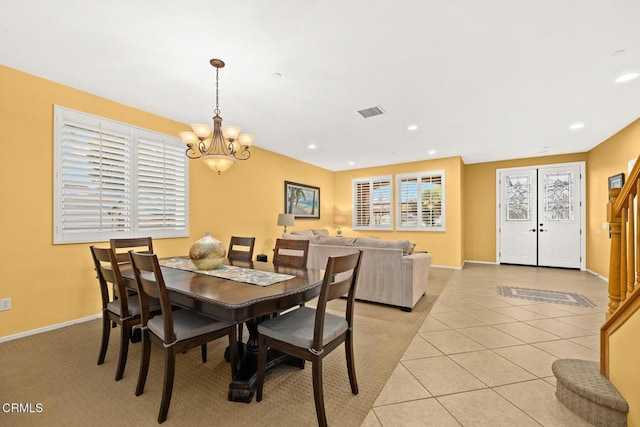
(217, 110)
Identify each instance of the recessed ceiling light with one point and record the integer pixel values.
(626, 77)
(312, 146)
(412, 127)
(431, 152)
(576, 125)
(352, 163)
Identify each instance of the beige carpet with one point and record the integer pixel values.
(58, 370)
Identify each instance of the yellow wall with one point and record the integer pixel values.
(624, 370)
(480, 202)
(50, 284)
(446, 247)
(244, 201)
(607, 159)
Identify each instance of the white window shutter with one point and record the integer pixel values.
(372, 206)
(161, 185)
(94, 181)
(420, 203)
(115, 180)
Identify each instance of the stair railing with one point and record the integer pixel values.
(624, 274)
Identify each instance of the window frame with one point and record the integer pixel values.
(419, 176)
(371, 181)
(174, 183)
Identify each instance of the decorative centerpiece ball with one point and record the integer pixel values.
(207, 253)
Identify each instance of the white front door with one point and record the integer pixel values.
(518, 217)
(541, 216)
(559, 224)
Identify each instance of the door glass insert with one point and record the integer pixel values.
(558, 196)
(518, 199)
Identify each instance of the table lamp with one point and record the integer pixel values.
(284, 220)
(339, 220)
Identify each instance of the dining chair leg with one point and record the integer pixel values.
(318, 396)
(351, 365)
(262, 362)
(125, 335)
(167, 389)
(106, 331)
(203, 348)
(144, 362)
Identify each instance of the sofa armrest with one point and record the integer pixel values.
(415, 277)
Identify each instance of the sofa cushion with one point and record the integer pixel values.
(335, 241)
(366, 242)
(320, 231)
(291, 236)
(302, 232)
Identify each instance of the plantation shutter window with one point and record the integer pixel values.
(421, 205)
(161, 173)
(372, 205)
(115, 180)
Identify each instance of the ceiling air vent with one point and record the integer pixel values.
(371, 112)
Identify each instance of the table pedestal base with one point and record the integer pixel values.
(243, 385)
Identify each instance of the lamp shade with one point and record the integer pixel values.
(340, 219)
(286, 219)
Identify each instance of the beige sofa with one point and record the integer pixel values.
(389, 273)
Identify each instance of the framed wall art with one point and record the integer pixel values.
(301, 200)
(616, 181)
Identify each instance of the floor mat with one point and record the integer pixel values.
(554, 297)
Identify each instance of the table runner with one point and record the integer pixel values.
(238, 274)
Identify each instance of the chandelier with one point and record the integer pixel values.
(221, 147)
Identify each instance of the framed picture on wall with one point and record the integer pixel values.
(301, 200)
(616, 181)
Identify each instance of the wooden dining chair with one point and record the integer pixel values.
(291, 253)
(173, 331)
(240, 254)
(121, 247)
(123, 311)
(236, 251)
(311, 334)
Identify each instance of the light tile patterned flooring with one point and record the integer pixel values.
(481, 359)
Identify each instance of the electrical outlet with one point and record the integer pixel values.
(5, 304)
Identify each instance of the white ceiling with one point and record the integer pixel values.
(486, 80)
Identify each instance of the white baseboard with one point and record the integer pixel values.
(606, 279)
(470, 261)
(446, 266)
(49, 328)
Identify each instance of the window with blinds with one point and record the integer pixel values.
(420, 201)
(115, 180)
(372, 203)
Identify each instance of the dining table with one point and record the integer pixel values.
(240, 292)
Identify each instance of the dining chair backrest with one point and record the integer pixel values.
(151, 284)
(121, 247)
(340, 278)
(291, 253)
(108, 271)
(241, 248)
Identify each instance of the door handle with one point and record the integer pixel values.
(533, 230)
(542, 229)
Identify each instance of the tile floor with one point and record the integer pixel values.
(481, 359)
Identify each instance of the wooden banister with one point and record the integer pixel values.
(624, 260)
